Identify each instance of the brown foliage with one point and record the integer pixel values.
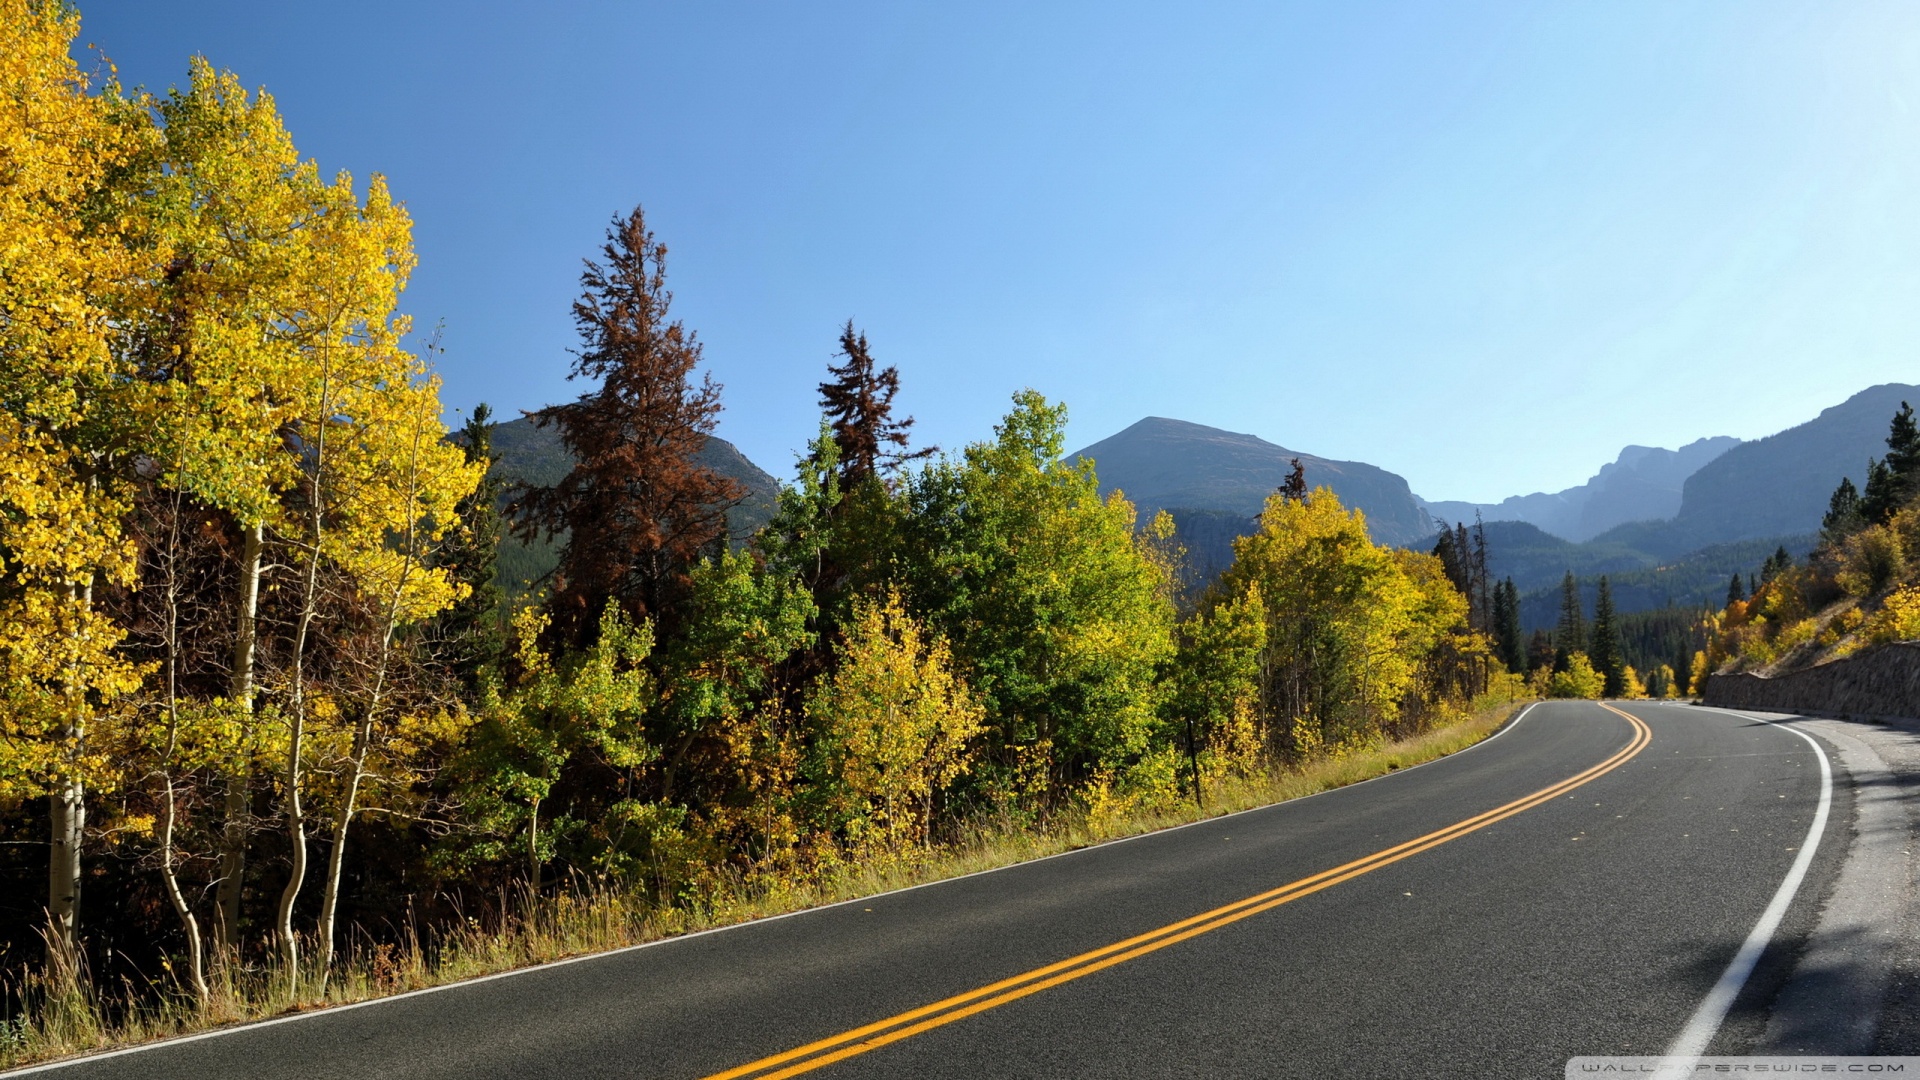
(859, 403)
(637, 510)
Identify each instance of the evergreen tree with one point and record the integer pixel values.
(1540, 651)
(1903, 447)
(1894, 479)
(1506, 623)
(638, 509)
(1777, 563)
(1843, 516)
(470, 637)
(1453, 559)
(1682, 673)
(858, 402)
(1482, 596)
(1604, 643)
(1570, 636)
(1736, 590)
(1877, 500)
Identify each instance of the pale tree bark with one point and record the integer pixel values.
(292, 808)
(238, 809)
(67, 813)
(363, 735)
(189, 923)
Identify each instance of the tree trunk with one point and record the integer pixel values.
(196, 952)
(68, 809)
(67, 813)
(336, 859)
(292, 810)
(233, 854)
(533, 848)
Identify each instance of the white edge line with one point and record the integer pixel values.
(1685, 1051)
(335, 1010)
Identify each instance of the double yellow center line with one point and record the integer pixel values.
(904, 1025)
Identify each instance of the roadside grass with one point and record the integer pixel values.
(70, 1015)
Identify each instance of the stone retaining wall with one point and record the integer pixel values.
(1883, 682)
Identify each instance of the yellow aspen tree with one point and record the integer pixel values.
(63, 262)
(223, 355)
(896, 722)
(398, 490)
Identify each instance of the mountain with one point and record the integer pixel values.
(1781, 484)
(534, 456)
(1174, 465)
(1643, 483)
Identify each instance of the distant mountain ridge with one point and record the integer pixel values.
(1165, 464)
(534, 456)
(1644, 483)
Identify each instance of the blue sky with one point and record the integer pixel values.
(1481, 245)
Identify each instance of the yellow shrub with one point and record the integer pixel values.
(1632, 687)
(1578, 681)
(1870, 561)
(1897, 620)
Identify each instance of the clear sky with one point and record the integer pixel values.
(1481, 245)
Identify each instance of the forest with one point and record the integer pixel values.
(271, 735)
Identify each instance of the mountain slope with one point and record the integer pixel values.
(1780, 484)
(531, 455)
(1643, 483)
(1164, 464)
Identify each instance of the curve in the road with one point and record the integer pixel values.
(1705, 1021)
(913, 1022)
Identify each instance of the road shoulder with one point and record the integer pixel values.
(1856, 986)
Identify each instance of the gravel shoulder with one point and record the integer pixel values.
(1855, 988)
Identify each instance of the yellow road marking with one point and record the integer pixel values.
(946, 1011)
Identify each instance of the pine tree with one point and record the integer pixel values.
(1843, 516)
(1540, 651)
(1453, 560)
(638, 509)
(1482, 596)
(1893, 480)
(1736, 590)
(1604, 648)
(470, 637)
(1903, 448)
(1570, 636)
(1506, 624)
(858, 402)
(1777, 563)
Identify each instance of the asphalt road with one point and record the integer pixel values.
(1591, 923)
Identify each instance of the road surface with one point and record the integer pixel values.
(1574, 886)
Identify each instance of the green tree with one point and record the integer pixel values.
(577, 712)
(1843, 517)
(1215, 686)
(470, 637)
(1894, 479)
(1570, 636)
(1604, 643)
(1057, 608)
(1506, 625)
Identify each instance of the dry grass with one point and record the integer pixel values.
(71, 1016)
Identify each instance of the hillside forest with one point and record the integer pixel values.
(263, 708)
